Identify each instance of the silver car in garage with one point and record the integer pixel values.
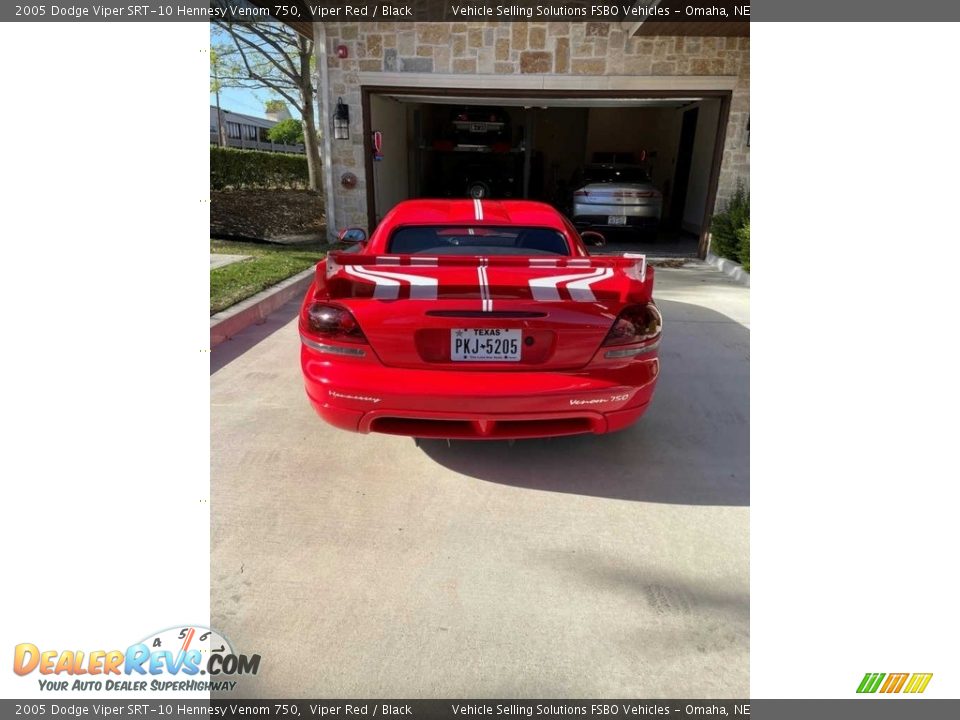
(617, 196)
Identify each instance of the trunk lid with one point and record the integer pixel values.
(557, 310)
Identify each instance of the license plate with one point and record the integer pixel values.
(616, 220)
(485, 344)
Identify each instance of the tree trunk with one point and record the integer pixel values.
(308, 116)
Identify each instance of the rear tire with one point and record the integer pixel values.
(478, 190)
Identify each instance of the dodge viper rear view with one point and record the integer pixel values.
(479, 319)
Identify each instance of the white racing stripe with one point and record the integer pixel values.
(386, 289)
(578, 284)
(580, 289)
(388, 283)
(486, 302)
(478, 209)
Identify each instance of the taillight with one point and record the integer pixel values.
(637, 324)
(331, 322)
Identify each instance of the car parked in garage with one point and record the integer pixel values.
(616, 196)
(485, 180)
(479, 319)
(480, 125)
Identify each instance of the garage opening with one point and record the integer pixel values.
(641, 170)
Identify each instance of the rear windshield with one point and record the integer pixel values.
(477, 241)
(615, 174)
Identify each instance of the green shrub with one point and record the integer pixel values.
(235, 169)
(744, 247)
(725, 226)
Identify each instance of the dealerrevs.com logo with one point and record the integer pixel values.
(909, 683)
(184, 658)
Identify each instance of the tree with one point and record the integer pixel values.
(287, 132)
(215, 72)
(272, 56)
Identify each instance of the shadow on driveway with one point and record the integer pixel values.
(692, 447)
(229, 350)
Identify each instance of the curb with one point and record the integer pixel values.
(227, 323)
(729, 267)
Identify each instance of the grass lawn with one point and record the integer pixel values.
(269, 264)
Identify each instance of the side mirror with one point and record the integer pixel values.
(352, 236)
(592, 237)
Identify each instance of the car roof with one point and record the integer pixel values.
(465, 212)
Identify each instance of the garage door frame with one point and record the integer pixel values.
(724, 95)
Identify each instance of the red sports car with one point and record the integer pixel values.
(479, 319)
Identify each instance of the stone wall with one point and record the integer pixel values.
(524, 48)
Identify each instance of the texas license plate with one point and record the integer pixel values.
(490, 344)
(616, 220)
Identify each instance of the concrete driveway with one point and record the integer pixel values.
(611, 566)
(218, 260)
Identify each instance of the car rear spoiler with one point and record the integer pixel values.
(634, 265)
(487, 278)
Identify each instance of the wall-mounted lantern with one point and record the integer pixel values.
(343, 52)
(341, 121)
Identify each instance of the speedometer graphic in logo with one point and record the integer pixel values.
(183, 641)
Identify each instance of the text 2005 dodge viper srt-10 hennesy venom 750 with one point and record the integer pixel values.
(478, 319)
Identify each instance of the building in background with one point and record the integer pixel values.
(249, 132)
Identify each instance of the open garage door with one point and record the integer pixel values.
(642, 170)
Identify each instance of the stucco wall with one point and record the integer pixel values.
(529, 48)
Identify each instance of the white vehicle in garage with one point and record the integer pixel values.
(617, 196)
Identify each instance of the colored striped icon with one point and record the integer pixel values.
(918, 683)
(894, 682)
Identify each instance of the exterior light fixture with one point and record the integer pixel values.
(341, 121)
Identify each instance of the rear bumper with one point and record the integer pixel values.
(362, 397)
(597, 214)
(589, 221)
(471, 426)
(603, 221)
